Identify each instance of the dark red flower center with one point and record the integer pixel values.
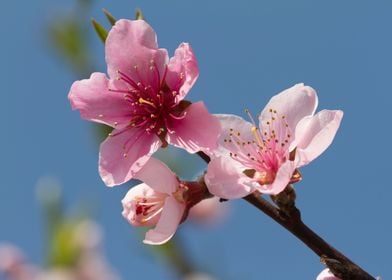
(155, 105)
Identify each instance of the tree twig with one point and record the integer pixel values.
(339, 264)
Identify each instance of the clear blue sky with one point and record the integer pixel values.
(247, 51)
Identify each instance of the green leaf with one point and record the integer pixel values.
(110, 17)
(101, 31)
(64, 250)
(139, 14)
(66, 34)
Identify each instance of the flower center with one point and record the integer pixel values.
(146, 209)
(262, 150)
(153, 104)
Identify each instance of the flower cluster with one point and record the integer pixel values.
(142, 99)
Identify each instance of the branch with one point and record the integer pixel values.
(290, 219)
(339, 264)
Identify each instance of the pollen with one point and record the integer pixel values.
(266, 151)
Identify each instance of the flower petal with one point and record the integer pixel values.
(167, 225)
(96, 103)
(314, 134)
(182, 70)
(158, 176)
(208, 211)
(231, 125)
(128, 203)
(326, 274)
(198, 130)
(225, 179)
(133, 43)
(114, 167)
(282, 179)
(294, 103)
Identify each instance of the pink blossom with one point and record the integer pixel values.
(143, 100)
(326, 274)
(13, 264)
(158, 202)
(209, 211)
(10, 257)
(267, 158)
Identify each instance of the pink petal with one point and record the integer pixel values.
(315, 134)
(114, 167)
(167, 225)
(209, 211)
(96, 103)
(182, 70)
(225, 179)
(133, 43)
(326, 274)
(199, 130)
(294, 103)
(137, 192)
(11, 257)
(282, 179)
(158, 176)
(232, 124)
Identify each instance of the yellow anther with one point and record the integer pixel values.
(256, 134)
(141, 101)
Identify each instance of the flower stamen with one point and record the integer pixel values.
(144, 101)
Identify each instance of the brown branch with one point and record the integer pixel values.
(290, 219)
(339, 264)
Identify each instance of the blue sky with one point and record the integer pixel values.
(247, 52)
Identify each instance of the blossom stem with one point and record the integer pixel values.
(338, 263)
